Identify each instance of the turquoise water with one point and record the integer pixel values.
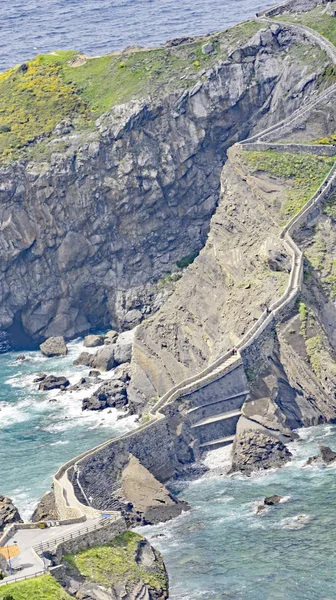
(36, 435)
(223, 550)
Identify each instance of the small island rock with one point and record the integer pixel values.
(255, 451)
(52, 382)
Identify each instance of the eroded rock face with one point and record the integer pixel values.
(255, 451)
(137, 195)
(150, 500)
(8, 512)
(46, 509)
(112, 393)
(54, 346)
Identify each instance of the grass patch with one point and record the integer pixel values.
(115, 562)
(314, 349)
(303, 314)
(39, 588)
(304, 173)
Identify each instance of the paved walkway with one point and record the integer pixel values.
(27, 560)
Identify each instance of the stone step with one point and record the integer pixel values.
(216, 407)
(214, 419)
(225, 441)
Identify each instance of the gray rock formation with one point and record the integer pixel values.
(53, 382)
(123, 347)
(46, 509)
(150, 499)
(104, 359)
(138, 194)
(255, 451)
(328, 456)
(112, 393)
(8, 512)
(54, 346)
(92, 341)
(85, 359)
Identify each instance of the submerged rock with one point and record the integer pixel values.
(8, 512)
(54, 346)
(53, 382)
(254, 451)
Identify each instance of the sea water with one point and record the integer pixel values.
(222, 549)
(39, 431)
(97, 27)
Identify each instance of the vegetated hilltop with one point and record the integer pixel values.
(111, 168)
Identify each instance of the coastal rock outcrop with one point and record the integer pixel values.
(53, 382)
(8, 512)
(255, 451)
(54, 346)
(112, 393)
(46, 509)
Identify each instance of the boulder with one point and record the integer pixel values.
(92, 341)
(94, 373)
(328, 456)
(53, 382)
(112, 393)
(123, 347)
(104, 359)
(8, 512)
(208, 48)
(85, 358)
(111, 337)
(271, 500)
(54, 346)
(46, 509)
(254, 450)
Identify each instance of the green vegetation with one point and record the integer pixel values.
(326, 141)
(317, 19)
(317, 251)
(314, 349)
(303, 313)
(184, 262)
(115, 562)
(39, 588)
(36, 96)
(169, 278)
(303, 172)
(33, 99)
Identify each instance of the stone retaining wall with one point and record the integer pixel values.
(92, 538)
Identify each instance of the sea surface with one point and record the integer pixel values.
(223, 550)
(39, 431)
(98, 27)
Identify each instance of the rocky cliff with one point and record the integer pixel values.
(93, 216)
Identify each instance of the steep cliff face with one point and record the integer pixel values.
(85, 235)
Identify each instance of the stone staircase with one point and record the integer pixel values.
(214, 423)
